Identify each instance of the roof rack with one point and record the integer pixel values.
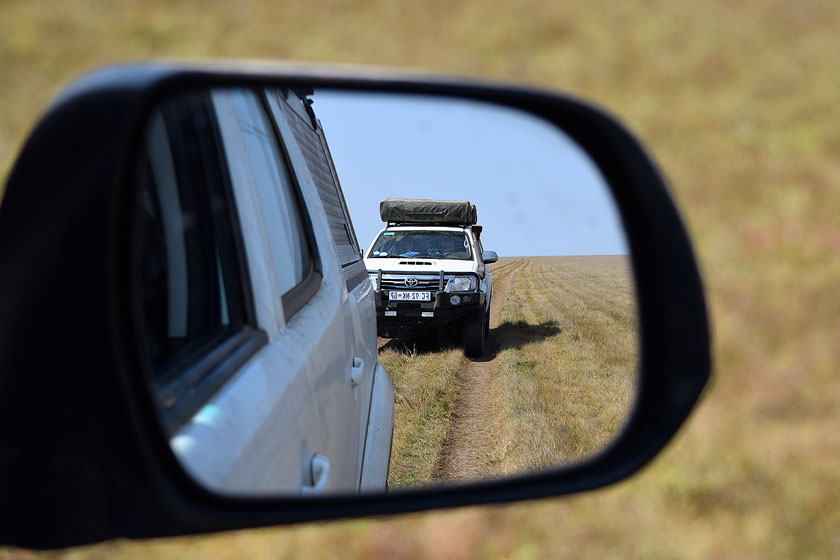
(421, 211)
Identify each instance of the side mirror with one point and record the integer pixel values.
(179, 351)
(489, 257)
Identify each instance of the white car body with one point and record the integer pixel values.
(387, 273)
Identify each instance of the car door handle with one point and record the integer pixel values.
(319, 467)
(357, 372)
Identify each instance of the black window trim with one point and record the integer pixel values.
(298, 296)
(204, 372)
(356, 278)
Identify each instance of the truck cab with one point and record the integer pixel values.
(429, 271)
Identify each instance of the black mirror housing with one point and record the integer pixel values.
(82, 455)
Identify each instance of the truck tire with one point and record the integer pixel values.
(487, 322)
(474, 337)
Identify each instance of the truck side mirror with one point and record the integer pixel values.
(94, 399)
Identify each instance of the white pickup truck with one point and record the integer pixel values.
(430, 271)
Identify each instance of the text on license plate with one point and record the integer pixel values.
(410, 296)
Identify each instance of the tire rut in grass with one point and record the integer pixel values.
(471, 447)
(476, 440)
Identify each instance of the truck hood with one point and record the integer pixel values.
(405, 264)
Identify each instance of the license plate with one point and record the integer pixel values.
(410, 296)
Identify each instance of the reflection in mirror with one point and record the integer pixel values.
(302, 338)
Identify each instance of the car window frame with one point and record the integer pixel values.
(189, 381)
(306, 129)
(294, 299)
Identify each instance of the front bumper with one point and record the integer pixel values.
(396, 318)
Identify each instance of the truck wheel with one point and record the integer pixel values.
(487, 323)
(474, 334)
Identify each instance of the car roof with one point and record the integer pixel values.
(426, 228)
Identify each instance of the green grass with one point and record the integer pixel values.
(738, 102)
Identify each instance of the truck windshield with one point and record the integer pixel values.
(422, 244)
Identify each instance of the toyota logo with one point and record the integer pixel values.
(411, 282)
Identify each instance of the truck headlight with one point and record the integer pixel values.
(373, 279)
(463, 284)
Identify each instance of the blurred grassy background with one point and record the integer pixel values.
(738, 103)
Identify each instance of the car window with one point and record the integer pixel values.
(190, 295)
(313, 146)
(288, 243)
(422, 244)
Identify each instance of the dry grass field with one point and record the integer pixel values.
(554, 385)
(736, 100)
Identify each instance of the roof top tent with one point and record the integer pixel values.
(428, 211)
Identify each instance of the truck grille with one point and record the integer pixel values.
(421, 281)
(425, 282)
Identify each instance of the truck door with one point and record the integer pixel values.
(360, 300)
(343, 397)
(233, 389)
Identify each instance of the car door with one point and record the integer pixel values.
(309, 155)
(312, 321)
(227, 377)
(360, 299)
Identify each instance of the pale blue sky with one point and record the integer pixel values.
(536, 191)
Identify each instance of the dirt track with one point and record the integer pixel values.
(472, 439)
(476, 440)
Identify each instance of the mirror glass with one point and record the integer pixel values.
(303, 335)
